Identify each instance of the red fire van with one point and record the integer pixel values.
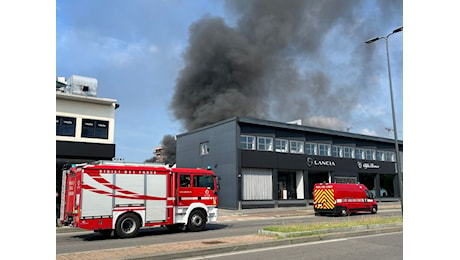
(342, 199)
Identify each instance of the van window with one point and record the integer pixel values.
(369, 195)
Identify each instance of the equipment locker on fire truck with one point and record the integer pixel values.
(123, 197)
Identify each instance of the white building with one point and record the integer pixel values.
(85, 123)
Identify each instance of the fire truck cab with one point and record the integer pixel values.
(342, 199)
(122, 197)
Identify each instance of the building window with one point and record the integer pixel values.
(264, 143)
(359, 153)
(204, 148)
(248, 142)
(311, 149)
(370, 154)
(95, 128)
(296, 146)
(337, 151)
(65, 126)
(380, 156)
(281, 146)
(348, 152)
(390, 157)
(324, 149)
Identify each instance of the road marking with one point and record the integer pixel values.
(287, 246)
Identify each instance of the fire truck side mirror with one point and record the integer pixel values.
(217, 182)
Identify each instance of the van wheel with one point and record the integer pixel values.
(127, 226)
(344, 212)
(374, 210)
(196, 221)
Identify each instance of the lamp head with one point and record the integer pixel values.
(373, 40)
(398, 30)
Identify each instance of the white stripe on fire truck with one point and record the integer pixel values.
(129, 208)
(196, 198)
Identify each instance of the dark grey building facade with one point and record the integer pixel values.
(264, 163)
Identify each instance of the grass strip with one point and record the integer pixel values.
(299, 227)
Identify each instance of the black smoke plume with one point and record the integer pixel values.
(272, 63)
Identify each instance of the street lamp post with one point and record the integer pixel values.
(398, 164)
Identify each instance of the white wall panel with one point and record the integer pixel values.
(257, 184)
(156, 187)
(96, 204)
(129, 182)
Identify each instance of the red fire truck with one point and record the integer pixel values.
(342, 199)
(123, 197)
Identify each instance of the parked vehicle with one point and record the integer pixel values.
(121, 197)
(342, 199)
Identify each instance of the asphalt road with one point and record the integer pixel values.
(88, 241)
(380, 246)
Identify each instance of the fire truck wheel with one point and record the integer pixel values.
(196, 221)
(127, 225)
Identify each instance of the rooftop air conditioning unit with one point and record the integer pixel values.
(84, 86)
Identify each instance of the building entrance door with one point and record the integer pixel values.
(287, 185)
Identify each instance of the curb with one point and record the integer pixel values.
(69, 229)
(389, 228)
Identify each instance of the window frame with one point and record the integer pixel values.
(63, 129)
(264, 146)
(340, 152)
(360, 153)
(294, 149)
(351, 152)
(94, 131)
(382, 155)
(315, 148)
(245, 144)
(328, 151)
(390, 156)
(370, 156)
(279, 148)
(204, 148)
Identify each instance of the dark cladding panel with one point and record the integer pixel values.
(257, 159)
(221, 156)
(290, 161)
(80, 150)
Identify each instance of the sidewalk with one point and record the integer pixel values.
(225, 244)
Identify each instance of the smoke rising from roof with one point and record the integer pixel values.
(273, 64)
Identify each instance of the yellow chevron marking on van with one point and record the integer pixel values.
(324, 198)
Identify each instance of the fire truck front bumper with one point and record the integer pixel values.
(212, 214)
